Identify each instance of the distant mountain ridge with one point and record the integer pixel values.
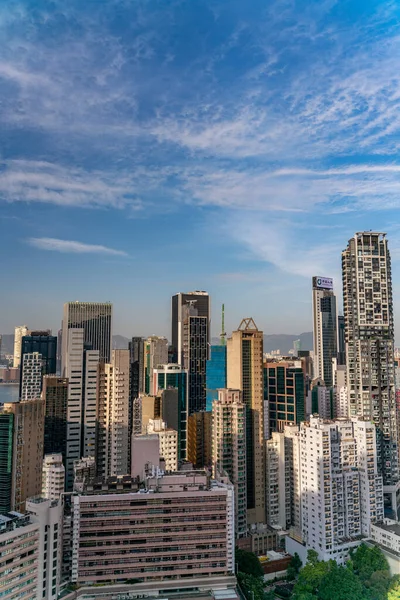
(275, 341)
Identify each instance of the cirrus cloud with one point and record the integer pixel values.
(71, 246)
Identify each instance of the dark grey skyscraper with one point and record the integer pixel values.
(341, 341)
(325, 328)
(191, 342)
(369, 332)
(95, 318)
(136, 359)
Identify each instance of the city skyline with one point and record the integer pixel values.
(264, 135)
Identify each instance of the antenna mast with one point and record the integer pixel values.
(223, 334)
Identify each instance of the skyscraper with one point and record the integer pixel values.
(285, 392)
(369, 333)
(19, 332)
(245, 373)
(201, 300)
(43, 343)
(31, 376)
(172, 377)
(55, 395)
(6, 460)
(136, 357)
(341, 341)
(95, 318)
(324, 328)
(155, 353)
(229, 449)
(81, 369)
(215, 374)
(113, 435)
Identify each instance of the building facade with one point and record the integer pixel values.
(155, 351)
(19, 557)
(31, 376)
(285, 392)
(81, 370)
(19, 332)
(95, 319)
(245, 373)
(180, 528)
(53, 476)
(27, 451)
(324, 328)
(44, 344)
(173, 377)
(215, 374)
(369, 332)
(114, 410)
(168, 442)
(199, 439)
(6, 460)
(55, 395)
(229, 449)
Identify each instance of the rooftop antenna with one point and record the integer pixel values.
(223, 333)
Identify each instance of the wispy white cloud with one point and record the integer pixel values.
(72, 247)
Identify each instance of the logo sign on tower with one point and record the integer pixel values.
(323, 283)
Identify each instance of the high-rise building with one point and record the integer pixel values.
(6, 460)
(321, 400)
(168, 439)
(229, 449)
(19, 557)
(199, 439)
(215, 374)
(169, 377)
(55, 395)
(81, 369)
(31, 376)
(19, 332)
(136, 354)
(183, 529)
(27, 450)
(47, 514)
(324, 328)
(245, 373)
(45, 344)
(191, 341)
(278, 482)
(341, 341)
(155, 353)
(285, 393)
(53, 476)
(341, 490)
(95, 319)
(113, 434)
(369, 332)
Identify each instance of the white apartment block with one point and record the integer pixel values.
(278, 488)
(19, 333)
(229, 449)
(19, 557)
(48, 515)
(341, 491)
(53, 476)
(81, 368)
(320, 400)
(341, 401)
(113, 416)
(168, 440)
(31, 383)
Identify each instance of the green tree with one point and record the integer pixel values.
(394, 590)
(311, 575)
(367, 561)
(340, 583)
(296, 562)
(378, 585)
(248, 562)
(251, 586)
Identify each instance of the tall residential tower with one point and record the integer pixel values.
(324, 328)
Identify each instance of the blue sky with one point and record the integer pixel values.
(151, 147)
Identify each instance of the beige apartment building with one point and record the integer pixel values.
(245, 373)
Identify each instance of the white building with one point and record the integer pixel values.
(31, 383)
(113, 441)
(341, 491)
(53, 476)
(168, 440)
(81, 368)
(48, 515)
(320, 400)
(341, 404)
(19, 557)
(229, 449)
(19, 333)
